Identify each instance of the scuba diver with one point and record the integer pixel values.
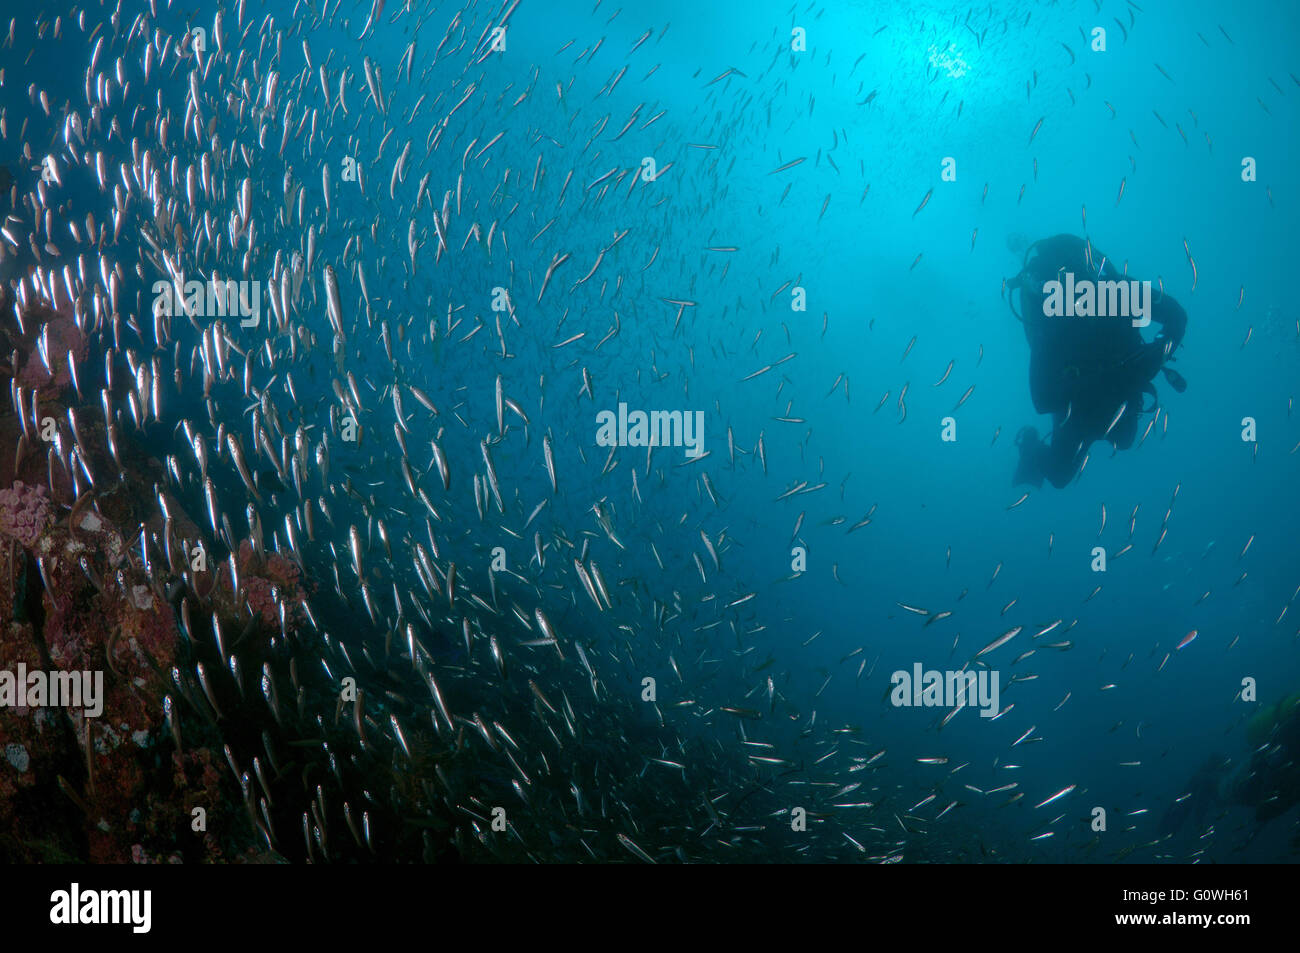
(1204, 793)
(1269, 782)
(1091, 373)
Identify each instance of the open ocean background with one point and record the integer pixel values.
(1139, 717)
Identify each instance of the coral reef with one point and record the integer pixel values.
(76, 597)
(264, 584)
(51, 335)
(24, 513)
(114, 788)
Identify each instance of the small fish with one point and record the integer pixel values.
(1057, 796)
(789, 165)
(1191, 261)
(631, 844)
(1001, 640)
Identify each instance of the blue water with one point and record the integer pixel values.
(946, 513)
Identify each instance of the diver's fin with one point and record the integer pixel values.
(1028, 471)
(1175, 379)
(1029, 468)
(1147, 388)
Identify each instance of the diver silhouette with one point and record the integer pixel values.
(1268, 781)
(1271, 779)
(1090, 369)
(1207, 791)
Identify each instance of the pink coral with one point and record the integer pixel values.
(265, 584)
(60, 335)
(24, 512)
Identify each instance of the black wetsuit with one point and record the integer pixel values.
(1084, 370)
